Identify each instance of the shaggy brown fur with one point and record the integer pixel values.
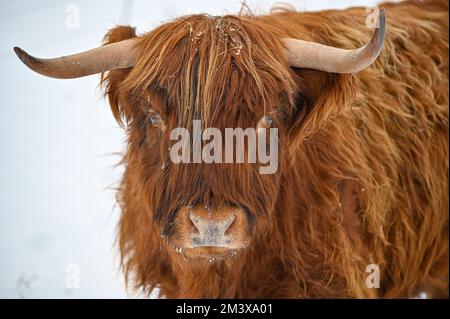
(363, 176)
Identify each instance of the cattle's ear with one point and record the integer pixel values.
(112, 80)
(321, 97)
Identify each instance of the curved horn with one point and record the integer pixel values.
(310, 55)
(116, 55)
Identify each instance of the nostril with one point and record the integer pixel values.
(228, 222)
(196, 221)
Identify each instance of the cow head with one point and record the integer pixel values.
(226, 72)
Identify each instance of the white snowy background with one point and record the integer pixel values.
(59, 144)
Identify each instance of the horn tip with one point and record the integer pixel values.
(18, 51)
(21, 54)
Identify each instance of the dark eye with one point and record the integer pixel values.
(155, 119)
(265, 122)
